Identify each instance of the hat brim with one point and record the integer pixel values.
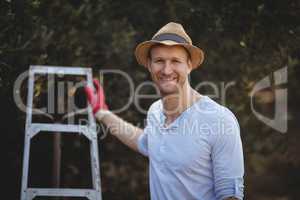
(142, 52)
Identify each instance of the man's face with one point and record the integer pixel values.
(169, 67)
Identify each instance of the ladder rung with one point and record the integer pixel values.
(65, 192)
(58, 127)
(60, 70)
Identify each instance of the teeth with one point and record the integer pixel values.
(167, 79)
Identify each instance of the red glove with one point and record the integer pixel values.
(96, 98)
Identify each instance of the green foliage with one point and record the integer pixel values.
(243, 41)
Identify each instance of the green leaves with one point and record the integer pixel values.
(243, 42)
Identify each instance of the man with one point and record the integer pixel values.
(193, 143)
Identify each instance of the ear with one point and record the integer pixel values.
(148, 64)
(190, 66)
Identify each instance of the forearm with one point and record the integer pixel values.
(124, 131)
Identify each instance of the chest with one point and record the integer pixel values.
(179, 148)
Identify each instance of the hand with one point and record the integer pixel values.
(96, 98)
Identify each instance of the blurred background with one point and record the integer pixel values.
(243, 41)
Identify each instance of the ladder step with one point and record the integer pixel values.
(59, 127)
(59, 192)
(60, 70)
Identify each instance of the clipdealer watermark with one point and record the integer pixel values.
(280, 120)
(135, 96)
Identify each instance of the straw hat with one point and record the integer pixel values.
(170, 34)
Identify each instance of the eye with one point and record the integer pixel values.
(176, 61)
(158, 61)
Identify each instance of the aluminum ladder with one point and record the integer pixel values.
(32, 129)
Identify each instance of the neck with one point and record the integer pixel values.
(175, 104)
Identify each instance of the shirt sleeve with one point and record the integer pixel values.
(143, 143)
(227, 159)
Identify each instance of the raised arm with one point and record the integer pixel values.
(124, 131)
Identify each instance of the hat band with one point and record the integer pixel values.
(170, 36)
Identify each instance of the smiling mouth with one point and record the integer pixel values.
(167, 79)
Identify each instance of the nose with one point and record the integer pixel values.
(167, 69)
